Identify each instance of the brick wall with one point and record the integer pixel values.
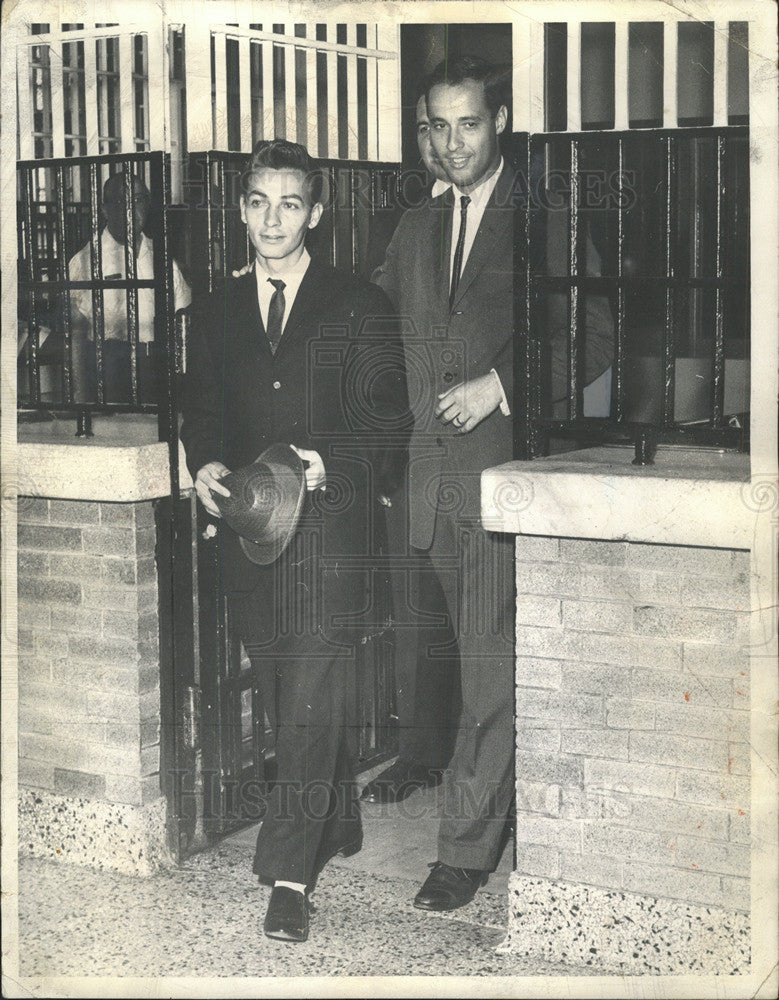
(633, 718)
(89, 712)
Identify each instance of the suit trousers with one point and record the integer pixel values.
(427, 665)
(312, 809)
(476, 570)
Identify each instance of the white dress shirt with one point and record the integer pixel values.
(291, 278)
(115, 299)
(479, 196)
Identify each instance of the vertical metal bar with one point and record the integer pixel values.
(720, 74)
(312, 121)
(353, 218)
(158, 82)
(223, 215)
(332, 99)
(164, 325)
(372, 102)
(718, 375)
(33, 332)
(670, 96)
(669, 339)
(197, 70)
(220, 89)
(352, 109)
(209, 227)
(522, 76)
(25, 100)
(574, 76)
(526, 371)
(331, 173)
(57, 110)
(126, 125)
(268, 91)
(131, 273)
(619, 352)
(574, 237)
(90, 95)
(96, 264)
(245, 93)
(621, 74)
(64, 295)
(290, 95)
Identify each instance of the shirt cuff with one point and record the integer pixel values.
(504, 405)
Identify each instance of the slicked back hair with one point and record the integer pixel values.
(279, 154)
(452, 72)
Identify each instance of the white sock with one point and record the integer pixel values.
(297, 886)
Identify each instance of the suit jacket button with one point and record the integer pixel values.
(438, 441)
(277, 385)
(448, 376)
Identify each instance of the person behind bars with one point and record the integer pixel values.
(117, 332)
(297, 353)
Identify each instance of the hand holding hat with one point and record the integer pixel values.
(261, 502)
(315, 468)
(208, 482)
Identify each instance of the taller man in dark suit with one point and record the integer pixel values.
(427, 671)
(295, 352)
(449, 269)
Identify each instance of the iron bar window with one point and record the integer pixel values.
(61, 214)
(665, 213)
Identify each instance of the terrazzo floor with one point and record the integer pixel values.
(205, 918)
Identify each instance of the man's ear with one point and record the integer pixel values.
(242, 202)
(316, 215)
(501, 118)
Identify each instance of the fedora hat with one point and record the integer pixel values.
(265, 502)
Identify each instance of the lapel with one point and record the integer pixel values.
(441, 241)
(248, 320)
(311, 296)
(484, 244)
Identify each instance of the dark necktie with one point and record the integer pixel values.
(458, 252)
(276, 313)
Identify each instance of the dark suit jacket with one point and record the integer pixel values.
(446, 346)
(336, 385)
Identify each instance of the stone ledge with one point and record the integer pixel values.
(622, 931)
(104, 835)
(690, 496)
(122, 462)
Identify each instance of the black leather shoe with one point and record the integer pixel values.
(448, 888)
(287, 916)
(399, 781)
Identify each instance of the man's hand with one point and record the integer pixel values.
(468, 403)
(207, 482)
(244, 270)
(315, 468)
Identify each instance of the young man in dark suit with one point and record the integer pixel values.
(449, 269)
(298, 353)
